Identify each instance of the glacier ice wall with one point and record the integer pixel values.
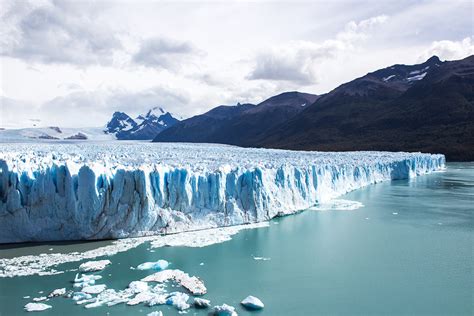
(97, 191)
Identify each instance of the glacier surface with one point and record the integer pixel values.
(77, 191)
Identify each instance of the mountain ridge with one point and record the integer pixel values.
(425, 107)
(143, 127)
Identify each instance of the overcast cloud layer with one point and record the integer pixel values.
(73, 63)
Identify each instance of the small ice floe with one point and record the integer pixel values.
(158, 265)
(394, 213)
(367, 218)
(80, 296)
(337, 204)
(262, 258)
(50, 249)
(57, 292)
(94, 289)
(224, 310)
(201, 264)
(110, 297)
(138, 286)
(142, 297)
(36, 307)
(90, 266)
(97, 303)
(202, 238)
(26, 296)
(191, 283)
(178, 300)
(85, 280)
(40, 299)
(201, 303)
(252, 302)
(90, 300)
(158, 299)
(155, 313)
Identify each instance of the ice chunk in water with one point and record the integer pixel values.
(158, 265)
(36, 307)
(252, 302)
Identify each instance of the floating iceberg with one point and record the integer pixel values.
(80, 296)
(252, 303)
(138, 286)
(40, 299)
(98, 191)
(201, 302)
(224, 310)
(91, 266)
(36, 307)
(191, 283)
(94, 289)
(178, 300)
(158, 265)
(262, 258)
(58, 292)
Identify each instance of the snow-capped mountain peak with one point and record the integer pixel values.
(144, 126)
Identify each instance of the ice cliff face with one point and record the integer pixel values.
(96, 191)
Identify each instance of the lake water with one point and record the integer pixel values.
(408, 250)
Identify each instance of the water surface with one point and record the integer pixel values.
(408, 251)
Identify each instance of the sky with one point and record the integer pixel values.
(74, 63)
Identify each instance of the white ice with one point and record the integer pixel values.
(91, 266)
(178, 300)
(191, 283)
(58, 292)
(158, 265)
(94, 289)
(252, 302)
(224, 310)
(36, 307)
(98, 190)
(201, 302)
(337, 204)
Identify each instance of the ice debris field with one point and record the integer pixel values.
(88, 291)
(76, 191)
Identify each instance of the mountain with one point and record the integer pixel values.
(144, 127)
(427, 107)
(240, 123)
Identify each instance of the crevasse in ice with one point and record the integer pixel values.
(77, 191)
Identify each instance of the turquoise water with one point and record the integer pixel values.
(368, 261)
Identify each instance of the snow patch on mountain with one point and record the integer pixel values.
(417, 77)
(143, 127)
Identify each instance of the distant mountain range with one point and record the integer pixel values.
(120, 127)
(240, 123)
(143, 127)
(427, 107)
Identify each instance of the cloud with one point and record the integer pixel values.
(57, 32)
(88, 109)
(165, 53)
(450, 50)
(297, 61)
(16, 113)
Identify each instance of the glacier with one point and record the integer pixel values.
(99, 190)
